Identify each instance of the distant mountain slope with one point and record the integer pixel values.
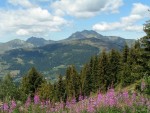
(14, 44)
(85, 34)
(52, 59)
(30, 43)
(95, 39)
(38, 41)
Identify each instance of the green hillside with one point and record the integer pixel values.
(52, 59)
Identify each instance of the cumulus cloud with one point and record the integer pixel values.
(86, 8)
(140, 9)
(22, 32)
(30, 20)
(24, 3)
(107, 26)
(128, 23)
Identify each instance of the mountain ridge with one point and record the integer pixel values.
(14, 44)
(37, 42)
(53, 58)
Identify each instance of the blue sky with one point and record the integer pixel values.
(58, 19)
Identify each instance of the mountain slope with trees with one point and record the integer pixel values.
(52, 59)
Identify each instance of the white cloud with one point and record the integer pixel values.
(140, 9)
(87, 8)
(133, 28)
(106, 26)
(131, 19)
(113, 5)
(22, 32)
(30, 21)
(24, 3)
(128, 23)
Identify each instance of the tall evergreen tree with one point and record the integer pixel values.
(83, 78)
(96, 74)
(8, 89)
(134, 61)
(45, 90)
(125, 53)
(145, 43)
(114, 67)
(61, 88)
(103, 71)
(31, 82)
(90, 78)
(125, 67)
(72, 82)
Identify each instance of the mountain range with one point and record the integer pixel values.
(52, 57)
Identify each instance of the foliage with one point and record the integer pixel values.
(8, 89)
(111, 102)
(31, 82)
(45, 90)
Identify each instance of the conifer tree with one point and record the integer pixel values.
(103, 71)
(72, 82)
(55, 92)
(114, 67)
(134, 61)
(83, 79)
(31, 82)
(45, 90)
(145, 43)
(90, 78)
(125, 68)
(125, 53)
(96, 74)
(8, 89)
(61, 88)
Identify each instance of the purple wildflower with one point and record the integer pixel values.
(143, 85)
(133, 97)
(90, 108)
(43, 104)
(110, 98)
(28, 102)
(73, 101)
(80, 97)
(36, 99)
(68, 105)
(13, 104)
(99, 97)
(5, 107)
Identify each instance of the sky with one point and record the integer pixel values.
(58, 19)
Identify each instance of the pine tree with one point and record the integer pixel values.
(125, 72)
(96, 74)
(83, 79)
(31, 82)
(55, 92)
(89, 85)
(125, 53)
(8, 89)
(103, 71)
(61, 88)
(72, 82)
(134, 61)
(45, 91)
(114, 67)
(145, 43)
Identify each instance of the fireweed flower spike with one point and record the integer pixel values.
(36, 99)
(13, 104)
(28, 102)
(5, 107)
(143, 85)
